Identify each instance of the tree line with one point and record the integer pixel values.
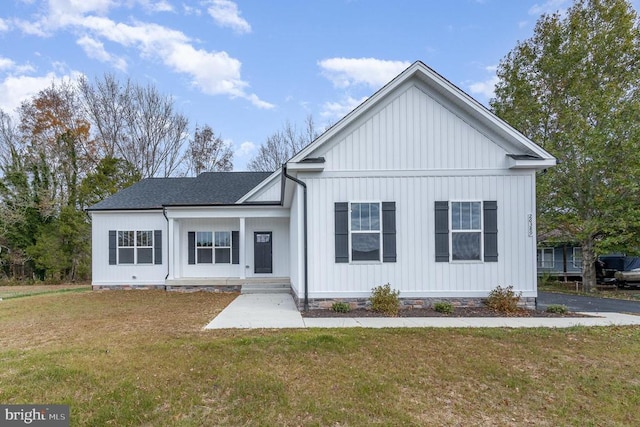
(77, 142)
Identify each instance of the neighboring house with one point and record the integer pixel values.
(420, 186)
(560, 259)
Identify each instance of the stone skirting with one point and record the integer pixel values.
(125, 287)
(213, 288)
(181, 288)
(405, 303)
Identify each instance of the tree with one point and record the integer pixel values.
(110, 176)
(282, 145)
(574, 88)
(208, 152)
(136, 123)
(52, 125)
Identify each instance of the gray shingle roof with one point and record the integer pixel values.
(208, 188)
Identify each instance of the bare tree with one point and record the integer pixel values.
(136, 123)
(208, 152)
(8, 138)
(282, 145)
(105, 103)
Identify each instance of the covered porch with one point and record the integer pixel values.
(225, 247)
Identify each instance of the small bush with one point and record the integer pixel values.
(385, 300)
(340, 307)
(504, 300)
(443, 307)
(557, 308)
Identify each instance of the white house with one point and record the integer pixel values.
(420, 187)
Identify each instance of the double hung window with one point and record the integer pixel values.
(545, 257)
(135, 247)
(365, 232)
(204, 247)
(223, 247)
(466, 231)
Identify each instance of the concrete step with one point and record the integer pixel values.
(266, 288)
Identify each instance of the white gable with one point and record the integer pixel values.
(422, 121)
(267, 191)
(414, 131)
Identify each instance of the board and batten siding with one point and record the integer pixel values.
(413, 131)
(416, 273)
(125, 274)
(271, 192)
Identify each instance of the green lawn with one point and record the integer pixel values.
(141, 358)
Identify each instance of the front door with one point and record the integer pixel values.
(262, 255)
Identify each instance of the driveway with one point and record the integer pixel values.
(587, 304)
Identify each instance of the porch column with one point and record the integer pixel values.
(170, 249)
(243, 262)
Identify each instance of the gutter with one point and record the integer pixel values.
(164, 212)
(306, 252)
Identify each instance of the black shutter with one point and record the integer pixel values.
(192, 247)
(442, 231)
(342, 232)
(388, 231)
(112, 248)
(235, 247)
(490, 211)
(157, 246)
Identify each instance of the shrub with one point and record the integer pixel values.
(443, 307)
(504, 300)
(385, 300)
(557, 308)
(340, 307)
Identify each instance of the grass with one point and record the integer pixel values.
(141, 358)
(19, 291)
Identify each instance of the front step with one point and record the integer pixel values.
(266, 288)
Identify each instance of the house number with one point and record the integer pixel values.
(530, 224)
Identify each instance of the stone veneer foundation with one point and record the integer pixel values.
(405, 303)
(170, 288)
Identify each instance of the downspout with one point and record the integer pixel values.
(164, 212)
(304, 214)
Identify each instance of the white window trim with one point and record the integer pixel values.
(379, 231)
(135, 247)
(541, 263)
(230, 247)
(480, 230)
(573, 258)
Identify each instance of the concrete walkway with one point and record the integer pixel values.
(255, 311)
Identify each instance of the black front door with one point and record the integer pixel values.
(262, 252)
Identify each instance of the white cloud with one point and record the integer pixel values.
(226, 14)
(95, 49)
(214, 73)
(15, 89)
(550, 6)
(9, 65)
(157, 6)
(246, 149)
(485, 88)
(337, 110)
(345, 72)
(4, 26)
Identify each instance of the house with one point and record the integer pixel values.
(560, 259)
(420, 186)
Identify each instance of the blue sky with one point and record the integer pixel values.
(245, 67)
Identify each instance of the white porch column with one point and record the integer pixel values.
(243, 263)
(170, 249)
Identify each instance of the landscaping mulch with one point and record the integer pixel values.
(430, 312)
